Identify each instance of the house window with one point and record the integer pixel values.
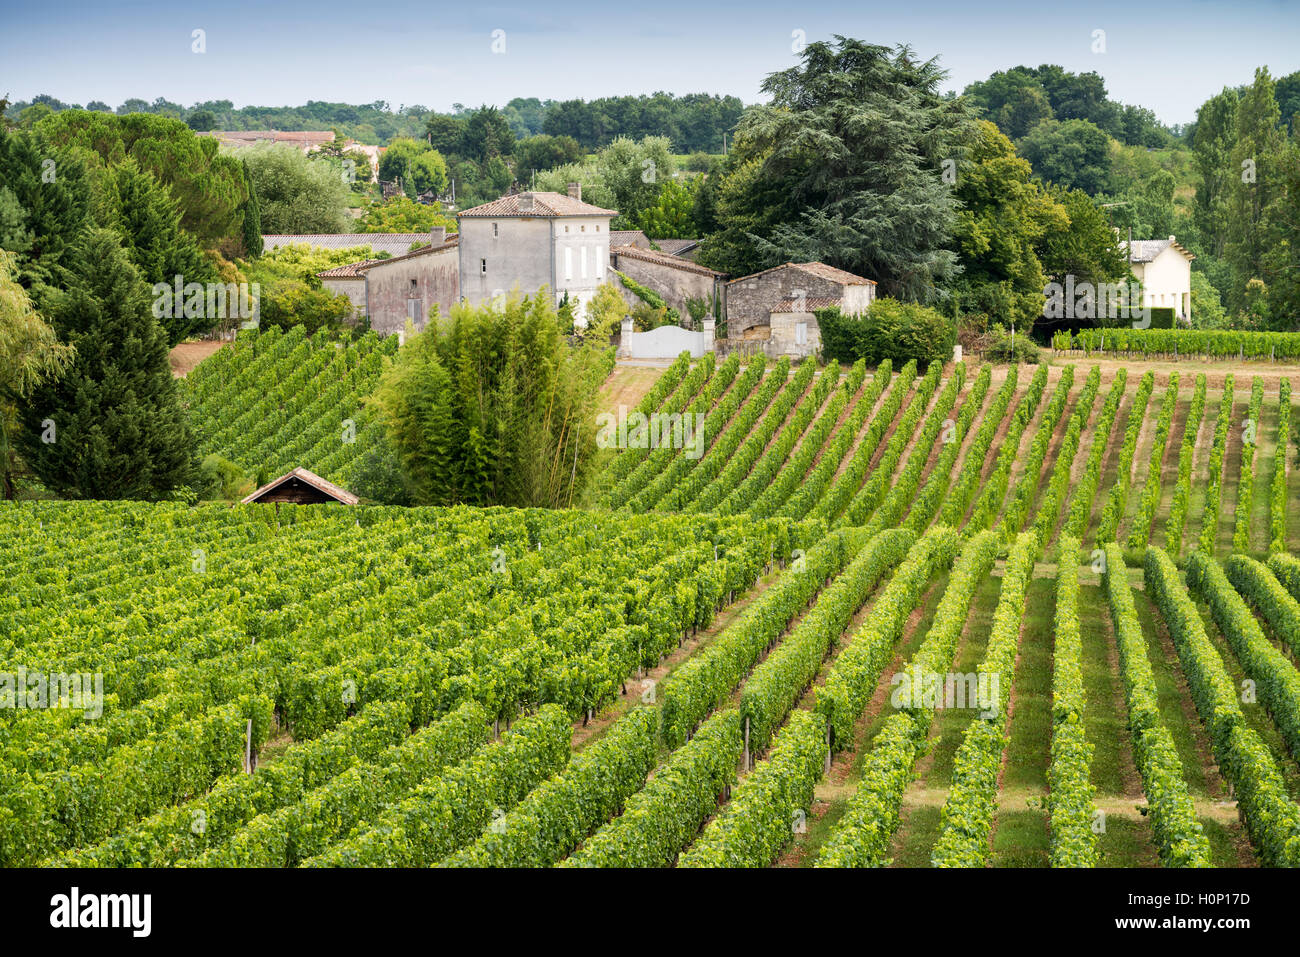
(568, 262)
(482, 266)
(600, 265)
(413, 285)
(566, 229)
(584, 229)
(584, 262)
(801, 333)
(494, 230)
(598, 227)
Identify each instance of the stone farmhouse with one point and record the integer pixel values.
(528, 240)
(535, 239)
(777, 306)
(1165, 270)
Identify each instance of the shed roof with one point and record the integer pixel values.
(311, 478)
(347, 270)
(820, 270)
(451, 242)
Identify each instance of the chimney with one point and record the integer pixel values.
(438, 235)
(525, 202)
(575, 191)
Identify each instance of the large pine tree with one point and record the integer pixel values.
(846, 165)
(112, 426)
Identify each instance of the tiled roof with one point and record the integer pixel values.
(806, 304)
(347, 271)
(395, 244)
(662, 259)
(358, 270)
(312, 479)
(452, 242)
(545, 206)
(821, 271)
(309, 137)
(629, 237)
(1145, 250)
(675, 247)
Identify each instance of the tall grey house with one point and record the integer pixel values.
(530, 240)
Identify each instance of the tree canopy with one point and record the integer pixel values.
(845, 166)
(111, 425)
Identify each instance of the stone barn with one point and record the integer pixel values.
(751, 300)
(675, 279)
(390, 291)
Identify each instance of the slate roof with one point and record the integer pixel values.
(1146, 250)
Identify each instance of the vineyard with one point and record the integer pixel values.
(276, 400)
(1181, 343)
(948, 616)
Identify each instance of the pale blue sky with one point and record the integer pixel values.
(1169, 56)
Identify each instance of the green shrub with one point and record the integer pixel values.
(1162, 317)
(288, 304)
(898, 331)
(1004, 347)
(222, 479)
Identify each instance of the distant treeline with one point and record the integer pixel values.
(694, 122)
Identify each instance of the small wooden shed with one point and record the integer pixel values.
(302, 487)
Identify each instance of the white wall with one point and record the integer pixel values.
(1167, 281)
(580, 241)
(666, 342)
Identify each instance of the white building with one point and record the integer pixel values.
(1165, 270)
(530, 240)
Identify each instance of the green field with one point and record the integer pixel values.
(704, 668)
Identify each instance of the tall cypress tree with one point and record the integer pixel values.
(112, 426)
(132, 202)
(48, 201)
(1258, 187)
(252, 228)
